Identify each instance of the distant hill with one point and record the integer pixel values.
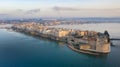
(95, 19)
(66, 20)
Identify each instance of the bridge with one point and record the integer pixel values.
(114, 38)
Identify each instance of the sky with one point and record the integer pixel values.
(60, 8)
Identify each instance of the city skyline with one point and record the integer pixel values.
(59, 8)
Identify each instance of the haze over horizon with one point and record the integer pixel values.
(59, 8)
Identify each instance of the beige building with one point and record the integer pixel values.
(62, 33)
(85, 47)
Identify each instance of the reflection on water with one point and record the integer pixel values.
(20, 50)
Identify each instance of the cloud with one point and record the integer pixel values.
(19, 10)
(84, 12)
(3, 14)
(22, 13)
(56, 8)
(33, 11)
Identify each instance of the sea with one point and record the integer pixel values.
(22, 50)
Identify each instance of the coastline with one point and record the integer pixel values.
(84, 41)
(86, 51)
(68, 45)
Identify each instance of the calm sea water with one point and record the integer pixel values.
(20, 50)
